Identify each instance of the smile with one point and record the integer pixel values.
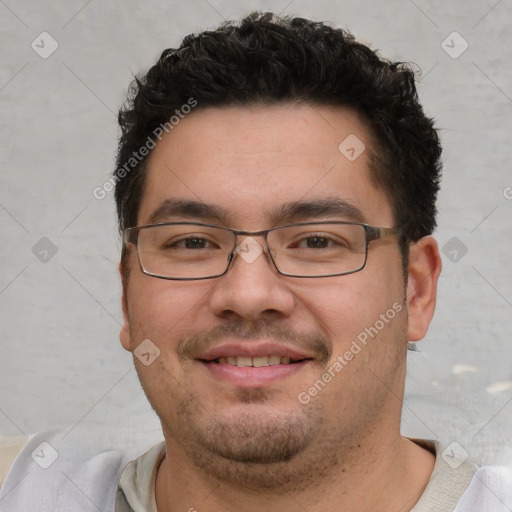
(253, 363)
(256, 362)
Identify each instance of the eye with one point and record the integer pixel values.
(316, 242)
(319, 241)
(190, 242)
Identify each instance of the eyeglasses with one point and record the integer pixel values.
(192, 250)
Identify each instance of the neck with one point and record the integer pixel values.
(387, 475)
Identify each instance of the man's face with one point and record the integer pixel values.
(251, 162)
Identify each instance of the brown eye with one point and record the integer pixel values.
(317, 242)
(195, 243)
(192, 242)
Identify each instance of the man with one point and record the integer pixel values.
(276, 187)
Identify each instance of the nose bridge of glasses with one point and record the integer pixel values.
(242, 237)
(249, 248)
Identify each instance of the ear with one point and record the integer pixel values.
(424, 269)
(124, 335)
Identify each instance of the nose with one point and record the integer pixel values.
(252, 288)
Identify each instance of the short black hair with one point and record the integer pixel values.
(266, 59)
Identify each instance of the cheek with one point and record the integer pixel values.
(161, 309)
(351, 305)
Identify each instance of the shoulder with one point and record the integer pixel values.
(10, 447)
(489, 489)
(60, 470)
(459, 485)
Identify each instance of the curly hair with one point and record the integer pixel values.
(266, 59)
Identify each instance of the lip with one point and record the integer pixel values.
(252, 377)
(252, 349)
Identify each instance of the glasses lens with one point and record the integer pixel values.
(185, 251)
(316, 250)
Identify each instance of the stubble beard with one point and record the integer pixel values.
(261, 448)
(263, 452)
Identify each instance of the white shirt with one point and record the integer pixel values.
(91, 478)
(459, 486)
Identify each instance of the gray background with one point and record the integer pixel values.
(61, 363)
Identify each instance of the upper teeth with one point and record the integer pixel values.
(254, 361)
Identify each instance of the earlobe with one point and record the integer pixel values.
(424, 270)
(124, 335)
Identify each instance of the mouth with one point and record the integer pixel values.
(250, 365)
(256, 362)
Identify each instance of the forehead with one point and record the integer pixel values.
(250, 162)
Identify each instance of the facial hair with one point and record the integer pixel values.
(257, 445)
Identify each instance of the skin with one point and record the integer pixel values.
(252, 448)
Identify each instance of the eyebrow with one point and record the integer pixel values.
(288, 213)
(189, 209)
(298, 211)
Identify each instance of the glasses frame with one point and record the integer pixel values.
(131, 236)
